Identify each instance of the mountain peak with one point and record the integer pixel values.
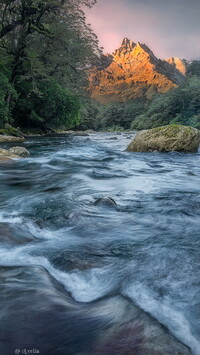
(127, 42)
(126, 45)
(129, 49)
(133, 71)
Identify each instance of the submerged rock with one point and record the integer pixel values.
(105, 201)
(21, 151)
(14, 235)
(166, 139)
(35, 307)
(140, 335)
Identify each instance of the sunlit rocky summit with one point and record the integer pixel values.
(134, 71)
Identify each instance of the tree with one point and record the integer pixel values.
(180, 105)
(51, 104)
(194, 68)
(45, 40)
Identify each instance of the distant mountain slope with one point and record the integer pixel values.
(133, 71)
(180, 64)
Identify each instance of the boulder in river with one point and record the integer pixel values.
(15, 152)
(20, 151)
(166, 139)
(7, 155)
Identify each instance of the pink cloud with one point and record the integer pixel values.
(158, 27)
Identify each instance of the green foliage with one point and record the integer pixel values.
(6, 90)
(194, 68)
(120, 114)
(11, 131)
(111, 115)
(89, 114)
(47, 48)
(114, 129)
(178, 106)
(48, 106)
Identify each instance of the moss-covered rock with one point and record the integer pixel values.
(166, 139)
(33, 132)
(8, 130)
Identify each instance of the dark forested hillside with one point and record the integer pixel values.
(179, 105)
(46, 48)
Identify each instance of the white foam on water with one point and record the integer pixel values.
(90, 285)
(42, 160)
(13, 218)
(85, 286)
(38, 232)
(165, 313)
(10, 218)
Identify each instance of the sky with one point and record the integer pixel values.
(171, 28)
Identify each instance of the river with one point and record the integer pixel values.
(83, 278)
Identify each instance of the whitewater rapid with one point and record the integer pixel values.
(146, 250)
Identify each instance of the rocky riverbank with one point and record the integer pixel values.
(11, 139)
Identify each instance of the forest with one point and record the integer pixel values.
(46, 48)
(180, 105)
(46, 51)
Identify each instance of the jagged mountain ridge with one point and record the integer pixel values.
(180, 64)
(133, 71)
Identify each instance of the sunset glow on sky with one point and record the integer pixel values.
(169, 28)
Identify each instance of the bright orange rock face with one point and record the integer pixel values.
(133, 71)
(179, 64)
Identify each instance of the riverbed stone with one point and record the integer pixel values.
(14, 235)
(105, 201)
(6, 154)
(5, 139)
(166, 139)
(35, 307)
(5, 159)
(13, 153)
(20, 151)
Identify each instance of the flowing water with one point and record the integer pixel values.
(83, 278)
